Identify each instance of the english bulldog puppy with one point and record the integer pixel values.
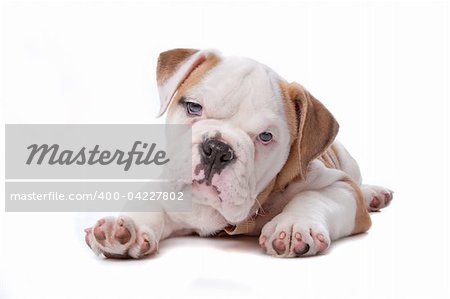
(264, 163)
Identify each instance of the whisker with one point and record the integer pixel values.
(260, 211)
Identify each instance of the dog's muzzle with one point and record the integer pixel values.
(215, 156)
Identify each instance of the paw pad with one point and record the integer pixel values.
(279, 244)
(122, 234)
(300, 247)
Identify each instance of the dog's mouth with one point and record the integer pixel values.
(204, 186)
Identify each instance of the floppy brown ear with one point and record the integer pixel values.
(312, 127)
(174, 67)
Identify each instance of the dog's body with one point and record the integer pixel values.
(264, 162)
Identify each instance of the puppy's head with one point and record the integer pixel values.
(252, 131)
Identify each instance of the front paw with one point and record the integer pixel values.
(120, 238)
(286, 236)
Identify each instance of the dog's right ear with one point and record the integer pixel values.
(174, 67)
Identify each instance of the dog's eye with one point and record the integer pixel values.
(194, 108)
(265, 137)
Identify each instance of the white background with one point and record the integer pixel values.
(382, 68)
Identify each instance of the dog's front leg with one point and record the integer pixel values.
(131, 235)
(311, 220)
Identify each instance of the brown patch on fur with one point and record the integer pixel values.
(194, 78)
(362, 217)
(194, 69)
(170, 61)
(246, 227)
(312, 128)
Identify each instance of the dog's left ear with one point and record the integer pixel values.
(312, 127)
(174, 67)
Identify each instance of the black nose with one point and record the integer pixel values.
(216, 154)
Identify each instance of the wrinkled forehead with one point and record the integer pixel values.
(239, 85)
